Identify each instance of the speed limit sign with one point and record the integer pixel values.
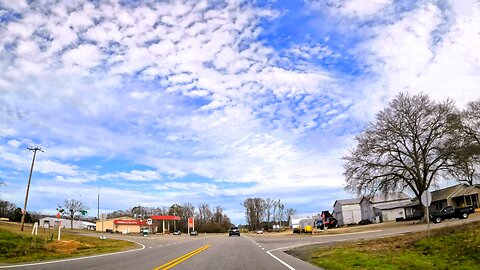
(149, 221)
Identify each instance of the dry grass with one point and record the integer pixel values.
(18, 246)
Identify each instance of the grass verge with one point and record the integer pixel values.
(448, 248)
(17, 246)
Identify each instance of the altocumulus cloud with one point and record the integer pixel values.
(205, 101)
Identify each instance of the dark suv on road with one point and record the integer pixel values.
(234, 231)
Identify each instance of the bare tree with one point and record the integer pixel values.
(471, 122)
(254, 212)
(465, 166)
(268, 205)
(466, 163)
(281, 211)
(72, 207)
(407, 147)
(290, 211)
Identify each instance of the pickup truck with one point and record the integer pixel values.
(450, 212)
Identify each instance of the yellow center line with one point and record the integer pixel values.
(182, 258)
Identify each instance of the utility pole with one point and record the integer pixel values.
(98, 204)
(24, 212)
(280, 213)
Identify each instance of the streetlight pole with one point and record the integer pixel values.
(24, 212)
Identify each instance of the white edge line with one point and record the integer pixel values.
(77, 259)
(282, 262)
(273, 256)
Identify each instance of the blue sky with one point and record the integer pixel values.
(164, 102)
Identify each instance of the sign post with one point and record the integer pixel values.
(103, 217)
(149, 223)
(426, 199)
(35, 229)
(59, 228)
(191, 224)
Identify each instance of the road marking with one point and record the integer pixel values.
(77, 259)
(282, 262)
(340, 234)
(273, 256)
(182, 258)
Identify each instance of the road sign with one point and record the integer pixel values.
(191, 223)
(426, 198)
(149, 221)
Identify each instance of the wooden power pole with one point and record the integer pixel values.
(24, 212)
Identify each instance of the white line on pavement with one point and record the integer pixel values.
(273, 256)
(282, 262)
(346, 233)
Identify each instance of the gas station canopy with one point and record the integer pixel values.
(165, 218)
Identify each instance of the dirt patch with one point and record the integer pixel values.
(64, 247)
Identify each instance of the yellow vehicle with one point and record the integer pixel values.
(306, 225)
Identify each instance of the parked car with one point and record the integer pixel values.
(234, 231)
(259, 231)
(450, 212)
(177, 233)
(415, 216)
(194, 233)
(144, 231)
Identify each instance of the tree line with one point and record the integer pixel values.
(264, 213)
(207, 219)
(414, 143)
(14, 213)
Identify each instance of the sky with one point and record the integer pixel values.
(162, 102)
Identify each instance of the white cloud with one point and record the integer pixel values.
(14, 143)
(135, 175)
(86, 56)
(19, 5)
(425, 51)
(52, 167)
(196, 89)
(350, 8)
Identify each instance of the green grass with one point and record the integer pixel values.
(450, 248)
(17, 246)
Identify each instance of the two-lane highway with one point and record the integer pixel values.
(221, 251)
(178, 252)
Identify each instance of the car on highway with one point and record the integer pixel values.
(234, 231)
(177, 233)
(194, 233)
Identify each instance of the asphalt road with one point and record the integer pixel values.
(220, 251)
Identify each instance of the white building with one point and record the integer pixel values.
(347, 211)
(54, 222)
(294, 220)
(383, 208)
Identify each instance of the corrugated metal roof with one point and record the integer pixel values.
(389, 197)
(393, 206)
(348, 201)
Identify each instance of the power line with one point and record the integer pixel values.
(24, 212)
